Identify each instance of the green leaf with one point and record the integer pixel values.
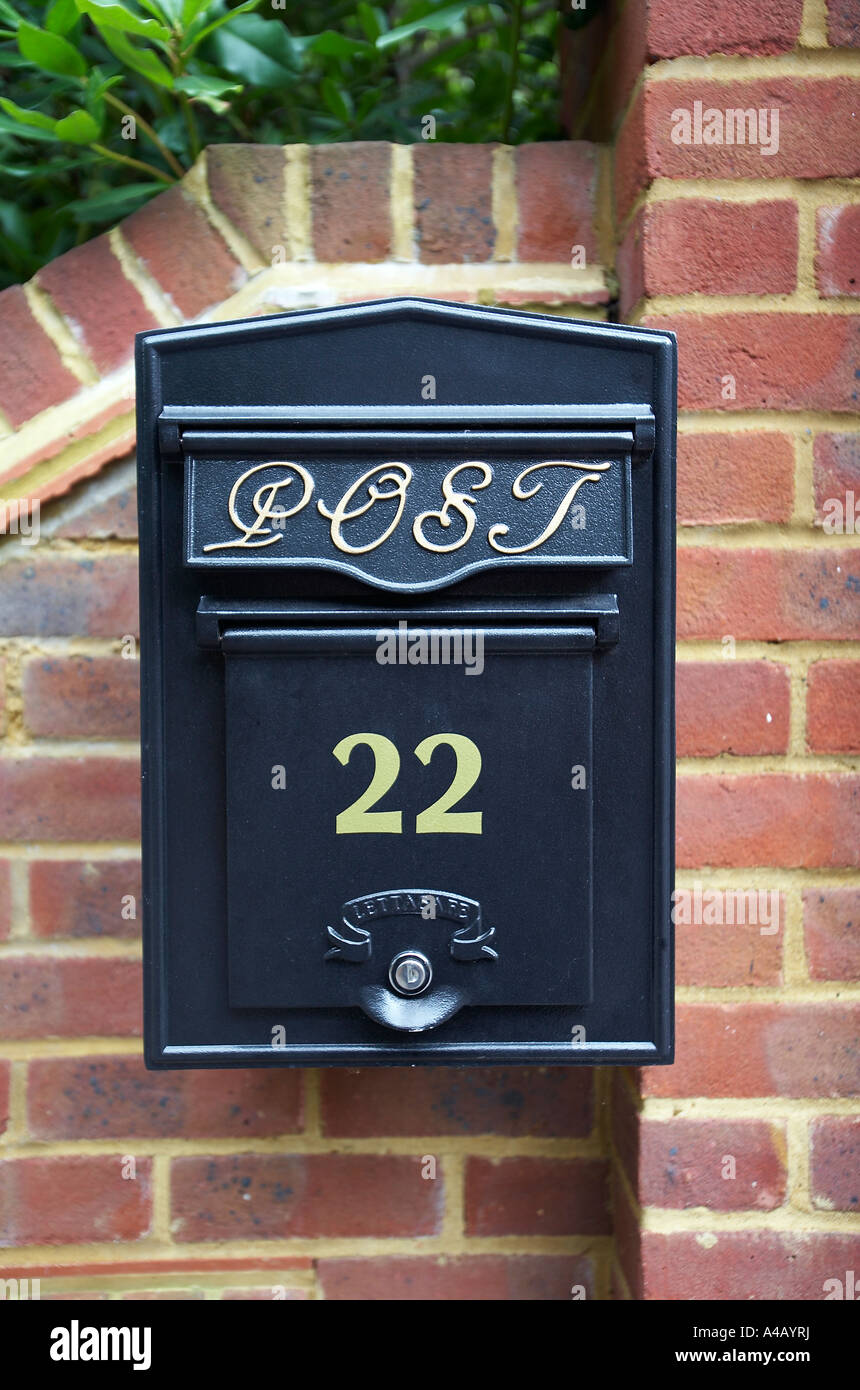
(141, 60)
(12, 59)
(114, 203)
(50, 52)
(206, 86)
(209, 91)
(45, 168)
(372, 20)
(62, 16)
(169, 10)
(13, 221)
(165, 13)
(366, 103)
(173, 132)
(98, 85)
(78, 129)
(105, 13)
(191, 9)
(228, 18)
(259, 51)
(27, 117)
(333, 45)
(445, 18)
(11, 127)
(10, 15)
(337, 100)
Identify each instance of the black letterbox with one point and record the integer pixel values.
(407, 597)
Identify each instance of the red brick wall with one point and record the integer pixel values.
(731, 1174)
(736, 1172)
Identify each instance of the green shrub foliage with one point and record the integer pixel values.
(107, 102)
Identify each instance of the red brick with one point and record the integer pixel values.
(32, 374)
(743, 1265)
(631, 170)
(683, 1163)
(247, 183)
(777, 361)
(615, 81)
(836, 473)
(5, 898)
(104, 508)
(556, 184)
(579, 53)
(458, 1278)
(303, 1195)
(833, 707)
(625, 1118)
(791, 821)
(728, 706)
(453, 202)
(545, 1102)
(745, 27)
(115, 518)
(82, 696)
(751, 1049)
(103, 308)
(768, 595)
(837, 262)
(179, 247)
(536, 1197)
(351, 201)
(627, 1235)
(835, 1163)
(72, 1200)
(831, 922)
(86, 798)
(843, 23)
(45, 486)
(630, 266)
(68, 997)
(84, 897)
(613, 50)
(722, 956)
(116, 1097)
(62, 597)
(817, 132)
(4, 1095)
(704, 246)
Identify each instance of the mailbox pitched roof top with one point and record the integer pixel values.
(377, 353)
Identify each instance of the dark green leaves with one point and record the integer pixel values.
(107, 101)
(108, 14)
(259, 51)
(50, 52)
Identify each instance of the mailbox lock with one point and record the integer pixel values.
(410, 972)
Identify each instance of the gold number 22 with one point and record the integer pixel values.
(438, 819)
